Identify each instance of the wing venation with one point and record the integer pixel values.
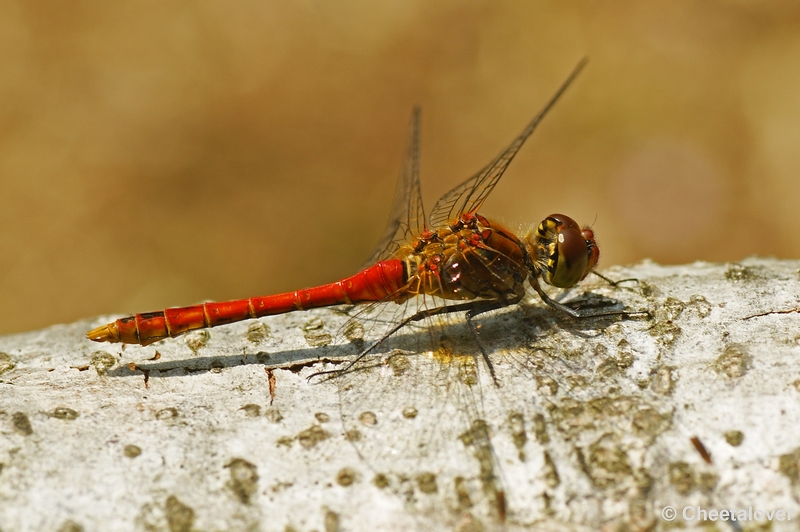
(470, 195)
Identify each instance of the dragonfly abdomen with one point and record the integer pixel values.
(379, 281)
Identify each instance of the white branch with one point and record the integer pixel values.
(592, 425)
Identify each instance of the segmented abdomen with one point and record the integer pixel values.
(383, 280)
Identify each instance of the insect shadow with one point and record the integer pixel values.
(414, 339)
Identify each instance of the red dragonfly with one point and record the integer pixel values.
(454, 261)
(466, 261)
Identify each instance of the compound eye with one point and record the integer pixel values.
(571, 259)
(593, 250)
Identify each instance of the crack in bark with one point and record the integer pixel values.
(771, 312)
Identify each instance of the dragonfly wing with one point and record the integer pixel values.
(413, 409)
(408, 215)
(470, 195)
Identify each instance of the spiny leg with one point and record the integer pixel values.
(480, 308)
(615, 283)
(419, 316)
(577, 313)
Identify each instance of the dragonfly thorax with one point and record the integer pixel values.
(563, 253)
(469, 258)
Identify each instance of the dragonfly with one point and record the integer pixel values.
(454, 261)
(455, 255)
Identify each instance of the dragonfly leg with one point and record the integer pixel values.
(480, 308)
(615, 283)
(419, 316)
(577, 313)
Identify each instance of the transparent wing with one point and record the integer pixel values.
(408, 215)
(414, 410)
(433, 428)
(470, 195)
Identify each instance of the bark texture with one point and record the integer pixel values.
(599, 423)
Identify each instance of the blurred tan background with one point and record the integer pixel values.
(162, 154)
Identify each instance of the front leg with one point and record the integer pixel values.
(615, 283)
(577, 313)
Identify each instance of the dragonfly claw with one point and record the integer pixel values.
(325, 376)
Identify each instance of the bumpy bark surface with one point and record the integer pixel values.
(599, 423)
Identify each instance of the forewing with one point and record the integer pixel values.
(407, 218)
(470, 195)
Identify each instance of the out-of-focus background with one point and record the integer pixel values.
(171, 152)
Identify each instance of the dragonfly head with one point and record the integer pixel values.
(564, 253)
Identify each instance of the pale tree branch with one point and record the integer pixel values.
(596, 424)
